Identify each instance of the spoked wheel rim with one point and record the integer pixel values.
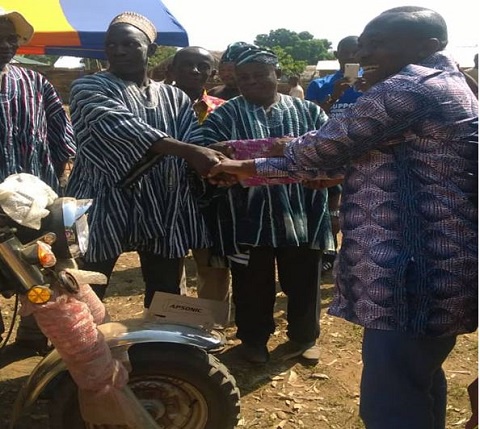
(173, 403)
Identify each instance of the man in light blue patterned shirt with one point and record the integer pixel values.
(407, 269)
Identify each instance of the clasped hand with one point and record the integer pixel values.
(229, 171)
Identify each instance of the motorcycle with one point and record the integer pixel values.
(165, 369)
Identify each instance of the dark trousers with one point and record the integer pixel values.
(253, 293)
(403, 385)
(159, 274)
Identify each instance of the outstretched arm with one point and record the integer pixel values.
(200, 158)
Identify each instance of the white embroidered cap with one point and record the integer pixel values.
(138, 21)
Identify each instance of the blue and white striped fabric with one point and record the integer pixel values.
(36, 136)
(115, 124)
(277, 215)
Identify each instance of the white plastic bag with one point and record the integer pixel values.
(24, 198)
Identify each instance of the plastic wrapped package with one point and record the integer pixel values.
(96, 307)
(69, 325)
(257, 148)
(87, 295)
(102, 380)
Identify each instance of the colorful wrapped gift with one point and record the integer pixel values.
(257, 148)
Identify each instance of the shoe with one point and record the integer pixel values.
(254, 353)
(309, 351)
(312, 353)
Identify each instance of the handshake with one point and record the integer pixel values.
(230, 162)
(227, 163)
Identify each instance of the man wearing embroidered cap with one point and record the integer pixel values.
(35, 134)
(120, 117)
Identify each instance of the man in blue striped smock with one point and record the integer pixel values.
(259, 227)
(120, 116)
(36, 136)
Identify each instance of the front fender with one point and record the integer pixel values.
(120, 336)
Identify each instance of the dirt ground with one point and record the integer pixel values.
(280, 394)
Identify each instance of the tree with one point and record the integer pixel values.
(47, 59)
(160, 55)
(299, 46)
(288, 65)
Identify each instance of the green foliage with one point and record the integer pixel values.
(161, 54)
(288, 65)
(300, 47)
(47, 59)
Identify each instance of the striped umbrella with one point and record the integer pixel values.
(77, 27)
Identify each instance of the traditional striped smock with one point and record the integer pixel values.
(277, 215)
(115, 123)
(35, 134)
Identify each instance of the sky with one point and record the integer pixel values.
(213, 24)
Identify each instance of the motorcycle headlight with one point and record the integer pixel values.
(81, 227)
(68, 220)
(76, 225)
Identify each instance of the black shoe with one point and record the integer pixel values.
(255, 353)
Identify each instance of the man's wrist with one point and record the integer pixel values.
(171, 146)
(248, 167)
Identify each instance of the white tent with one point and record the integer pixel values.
(327, 65)
(69, 63)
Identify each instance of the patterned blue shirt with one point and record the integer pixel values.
(36, 136)
(408, 148)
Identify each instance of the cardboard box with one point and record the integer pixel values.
(188, 310)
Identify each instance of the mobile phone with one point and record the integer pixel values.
(351, 71)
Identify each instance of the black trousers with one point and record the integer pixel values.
(159, 274)
(254, 291)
